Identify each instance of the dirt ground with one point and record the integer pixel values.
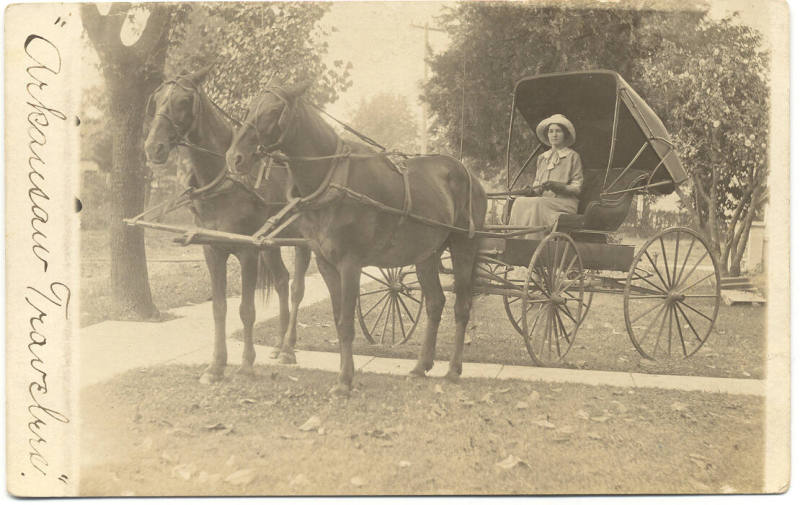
(158, 431)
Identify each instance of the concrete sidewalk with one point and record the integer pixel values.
(112, 347)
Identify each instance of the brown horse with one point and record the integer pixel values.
(347, 234)
(182, 114)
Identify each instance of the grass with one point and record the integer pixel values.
(736, 347)
(401, 436)
(178, 275)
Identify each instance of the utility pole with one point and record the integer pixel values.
(425, 55)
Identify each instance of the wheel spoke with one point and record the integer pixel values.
(400, 317)
(375, 278)
(566, 312)
(658, 273)
(367, 293)
(666, 260)
(386, 274)
(689, 274)
(365, 314)
(669, 332)
(401, 302)
(675, 263)
(394, 317)
(409, 296)
(383, 309)
(651, 309)
(386, 321)
(712, 274)
(558, 328)
(697, 336)
(646, 331)
(695, 310)
(659, 288)
(683, 266)
(644, 297)
(680, 331)
(660, 329)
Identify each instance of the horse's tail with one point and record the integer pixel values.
(265, 280)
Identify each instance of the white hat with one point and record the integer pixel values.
(558, 119)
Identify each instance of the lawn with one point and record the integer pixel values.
(736, 347)
(158, 431)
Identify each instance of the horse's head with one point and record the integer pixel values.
(266, 127)
(172, 110)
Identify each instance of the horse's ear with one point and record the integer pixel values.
(298, 89)
(200, 75)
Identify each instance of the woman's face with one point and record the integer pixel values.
(555, 134)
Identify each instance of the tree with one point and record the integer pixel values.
(127, 90)
(713, 96)
(253, 45)
(388, 119)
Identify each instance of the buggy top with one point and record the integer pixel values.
(623, 144)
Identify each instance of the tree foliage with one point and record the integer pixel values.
(695, 72)
(388, 119)
(253, 45)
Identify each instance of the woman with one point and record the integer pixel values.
(558, 182)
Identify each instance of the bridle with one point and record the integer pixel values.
(176, 136)
(287, 115)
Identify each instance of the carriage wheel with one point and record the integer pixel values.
(513, 303)
(672, 295)
(390, 307)
(553, 299)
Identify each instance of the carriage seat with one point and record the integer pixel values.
(603, 213)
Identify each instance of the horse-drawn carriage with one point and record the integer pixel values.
(670, 286)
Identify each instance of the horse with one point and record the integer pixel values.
(181, 113)
(415, 210)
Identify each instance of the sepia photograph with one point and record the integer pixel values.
(386, 248)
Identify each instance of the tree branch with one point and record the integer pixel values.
(154, 29)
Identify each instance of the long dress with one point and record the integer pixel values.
(563, 165)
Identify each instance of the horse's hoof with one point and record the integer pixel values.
(417, 373)
(210, 378)
(287, 358)
(340, 390)
(452, 376)
(273, 353)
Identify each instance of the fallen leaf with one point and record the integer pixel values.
(521, 406)
(594, 435)
(404, 464)
(599, 419)
(321, 430)
(697, 456)
(566, 430)
(241, 477)
(288, 437)
(679, 407)
(216, 427)
(545, 424)
(582, 414)
(295, 379)
(438, 389)
(487, 398)
(511, 462)
(247, 401)
(312, 424)
(622, 409)
(357, 481)
(302, 325)
(502, 391)
(534, 397)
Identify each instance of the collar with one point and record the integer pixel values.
(562, 153)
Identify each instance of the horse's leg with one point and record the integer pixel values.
(464, 252)
(350, 275)
(248, 260)
(331, 277)
(281, 282)
(302, 256)
(216, 260)
(428, 275)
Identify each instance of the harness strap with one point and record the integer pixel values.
(407, 194)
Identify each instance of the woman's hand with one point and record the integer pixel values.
(558, 188)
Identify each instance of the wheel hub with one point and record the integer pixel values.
(558, 300)
(673, 297)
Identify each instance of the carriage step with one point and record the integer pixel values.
(740, 283)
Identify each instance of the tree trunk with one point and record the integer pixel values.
(129, 279)
(131, 73)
